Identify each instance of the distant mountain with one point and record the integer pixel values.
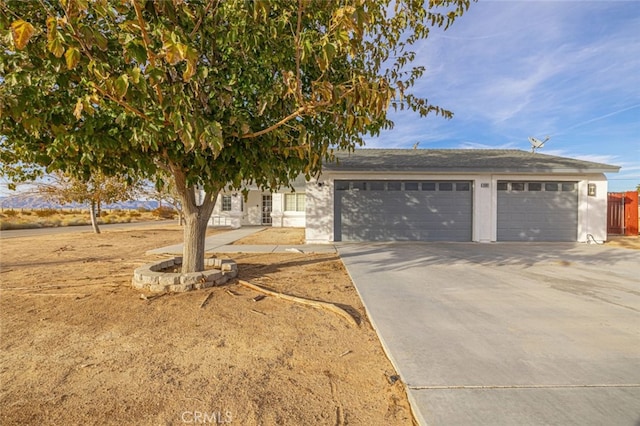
(36, 202)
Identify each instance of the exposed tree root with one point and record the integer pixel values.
(309, 302)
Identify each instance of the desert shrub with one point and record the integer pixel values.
(164, 213)
(46, 212)
(7, 226)
(142, 209)
(75, 222)
(51, 223)
(26, 213)
(134, 213)
(11, 213)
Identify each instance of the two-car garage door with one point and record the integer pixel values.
(427, 210)
(411, 210)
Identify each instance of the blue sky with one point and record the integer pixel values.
(513, 69)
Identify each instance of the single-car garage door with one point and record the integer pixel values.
(411, 210)
(537, 211)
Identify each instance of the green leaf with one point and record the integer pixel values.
(330, 52)
(174, 52)
(135, 75)
(121, 85)
(72, 56)
(21, 32)
(192, 59)
(100, 40)
(56, 46)
(137, 52)
(77, 111)
(156, 75)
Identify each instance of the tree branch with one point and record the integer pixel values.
(121, 103)
(206, 11)
(297, 42)
(145, 35)
(298, 112)
(147, 46)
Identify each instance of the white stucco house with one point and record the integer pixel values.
(436, 195)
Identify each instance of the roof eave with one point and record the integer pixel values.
(544, 170)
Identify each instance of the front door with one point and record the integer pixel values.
(266, 209)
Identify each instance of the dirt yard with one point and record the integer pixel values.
(274, 236)
(624, 242)
(80, 346)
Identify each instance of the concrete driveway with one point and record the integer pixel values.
(507, 333)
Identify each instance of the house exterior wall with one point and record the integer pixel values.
(282, 217)
(319, 211)
(219, 217)
(592, 210)
(249, 212)
(233, 217)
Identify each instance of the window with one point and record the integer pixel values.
(226, 203)
(428, 186)
(445, 186)
(359, 185)
(535, 186)
(294, 202)
(342, 185)
(394, 185)
(411, 186)
(550, 186)
(503, 186)
(376, 185)
(517, 186)
(462, 186)
(568, 187)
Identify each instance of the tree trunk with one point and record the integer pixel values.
(92, 213)
(196, 218)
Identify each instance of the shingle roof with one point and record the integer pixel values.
(462, 161)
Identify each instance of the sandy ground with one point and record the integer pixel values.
(79, 346)
(274, 236)
(624, 242)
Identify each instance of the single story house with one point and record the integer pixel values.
(482, 195)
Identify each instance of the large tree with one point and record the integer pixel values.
(95, 191)
(219, 93)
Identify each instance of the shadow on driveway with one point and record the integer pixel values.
(507, 333)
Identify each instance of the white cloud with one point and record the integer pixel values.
(509, 70)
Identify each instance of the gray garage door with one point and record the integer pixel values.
(537, 211)
(403, 210)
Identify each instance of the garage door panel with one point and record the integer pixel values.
(370, 234)
(537, 215)
(403, 215)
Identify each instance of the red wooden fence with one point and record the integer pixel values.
(622, 213)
